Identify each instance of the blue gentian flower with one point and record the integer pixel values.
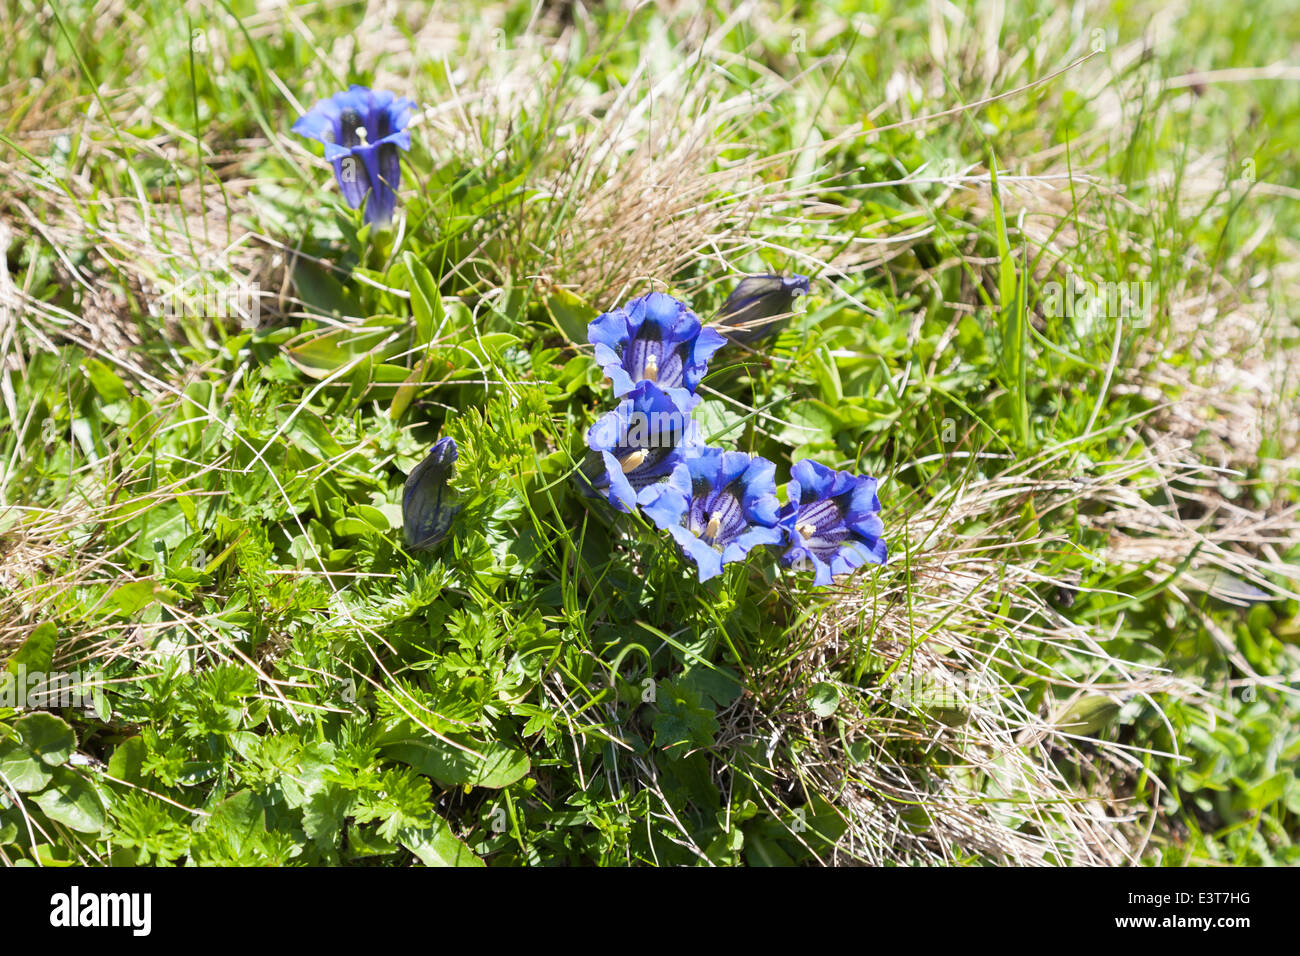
(832, 519)
(427, 503)
(639, 443)
(760, 306)
(728, 507)
(362, 131)
(654, 338)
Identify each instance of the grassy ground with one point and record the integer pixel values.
(1083, 648)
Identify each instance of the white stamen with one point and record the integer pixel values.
(633, 461)
(361, 135)
(806, 530)
(651, 369)
(714, 525)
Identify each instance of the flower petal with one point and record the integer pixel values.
(708, 561)
(353, 179)
(831, 521)
(319, 123)
(666, 502)
(362, 131)
(652, 338)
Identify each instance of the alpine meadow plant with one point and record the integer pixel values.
(640, 443)
(832, 520)
(728, 508)
(314, 590)
(362, 131)
(654, 338)
(760, 306)
(717, 504)
(427, 503)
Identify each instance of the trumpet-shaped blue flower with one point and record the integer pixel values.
(427, 502)
(362, 131)
(832, 520)
(653, 338)
(640, 443)
(718, 506)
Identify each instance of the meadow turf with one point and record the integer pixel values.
(1053, 252)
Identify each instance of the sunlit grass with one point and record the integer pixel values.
(1081, 651)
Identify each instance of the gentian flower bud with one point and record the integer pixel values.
(760, 306)
(428, 505)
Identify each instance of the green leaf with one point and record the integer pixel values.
(309, 432)
(718, 422)
(36, 654)
(811, 422)
(54, 856)
(436, 845)
(234, 834)
(1011, 304)
(351, 527)
(824, 699)
(48, 737)
(684, 718)
(486, 349)
(1269, 790)
(372, 516)
(323, 818)
(499, 767)
(73, 801)
(25, 772)
(426, 300)
(364, 841)
(570, 314)
(760, 851)
(689, 777)
(322, 292)
(1088, 715)
(325, 351)
(720, 685)
(149, 831)
(133, 597)
(105, 381)
(127, 761)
